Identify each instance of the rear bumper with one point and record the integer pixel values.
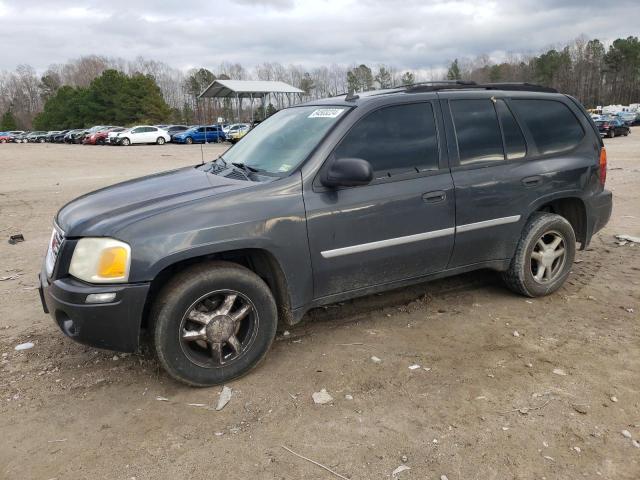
(112, 326)
(598, 212)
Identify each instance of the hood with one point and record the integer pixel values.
(106, 211)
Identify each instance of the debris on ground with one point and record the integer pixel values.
(399, 470)
(24, 346)
(315, 463)
(624, 238)
(626, 433)
(322, 397)
(614, 399)
(162, 399)
(414, 367)
(348, 397)
(515, 333)
(375, 359)
(444, 477)
(559, 371)
(225, 397)
(580, 408)
(10, 277)
(13, 239)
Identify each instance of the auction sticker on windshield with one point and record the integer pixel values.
(326, 113)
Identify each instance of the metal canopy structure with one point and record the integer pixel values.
(249, 89)
(246, 89)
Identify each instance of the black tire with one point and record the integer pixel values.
(192, 362)
(188, 140)
(160, 141)
(41, 140)
(611, 134)
(126, 142)
(520, 276)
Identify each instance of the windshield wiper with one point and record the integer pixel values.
(245, 167)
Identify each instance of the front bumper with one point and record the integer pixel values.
(112, 326)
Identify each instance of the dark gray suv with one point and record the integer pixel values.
(325, 201)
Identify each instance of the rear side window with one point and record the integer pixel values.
(552, 124)
(395, 140)
(514, 144)
(477, 131)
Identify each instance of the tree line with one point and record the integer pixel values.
(97, 89)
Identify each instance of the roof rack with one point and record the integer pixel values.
(461, 84)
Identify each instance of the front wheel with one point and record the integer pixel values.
(126, 142)
(188, 140)
(160, 141)
(544, 256)
(611, 134)
(213, 323)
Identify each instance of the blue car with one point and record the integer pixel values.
(212, 133)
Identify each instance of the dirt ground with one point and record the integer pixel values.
(484, 404)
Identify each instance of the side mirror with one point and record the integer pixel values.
(347, 172)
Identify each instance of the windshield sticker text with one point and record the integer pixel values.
(326, 113)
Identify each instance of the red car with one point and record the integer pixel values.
(100, 137)
(5, 138)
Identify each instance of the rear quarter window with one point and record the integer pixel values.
(552, 124)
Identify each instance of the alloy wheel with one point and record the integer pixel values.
(548, 257)
(218, 328)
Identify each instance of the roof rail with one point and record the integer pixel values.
(459, 84)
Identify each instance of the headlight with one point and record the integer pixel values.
(101, 260)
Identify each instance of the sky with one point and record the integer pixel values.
(407, 34)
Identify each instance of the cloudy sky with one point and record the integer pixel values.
(406, 34)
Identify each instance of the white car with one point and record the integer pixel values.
(140, 134)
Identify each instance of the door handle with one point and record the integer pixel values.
(532, 181)
(434, 197)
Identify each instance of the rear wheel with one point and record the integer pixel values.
(212, 323)
(543, 257)
(160, 141)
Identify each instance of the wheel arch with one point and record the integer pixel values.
(572, 208)
(260, 261)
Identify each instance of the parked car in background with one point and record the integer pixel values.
(19, 137)
(200, 134)
(51, 134)
(175, 129)
(59, 137)
(100, 137)
(628, 118)
(237, 131)
(5, 137)
(37, 137)
(612, 127)
(140, 134)
(75, 136)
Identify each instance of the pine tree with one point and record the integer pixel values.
(8, 122)
(454, 71)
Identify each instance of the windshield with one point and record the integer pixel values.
(285, 139)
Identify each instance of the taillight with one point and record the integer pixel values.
(603, 166)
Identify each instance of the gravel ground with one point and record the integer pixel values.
(550, 401)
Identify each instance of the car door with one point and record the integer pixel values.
(151, 134)
(505, 161)
(399, 226)
(135, 135)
